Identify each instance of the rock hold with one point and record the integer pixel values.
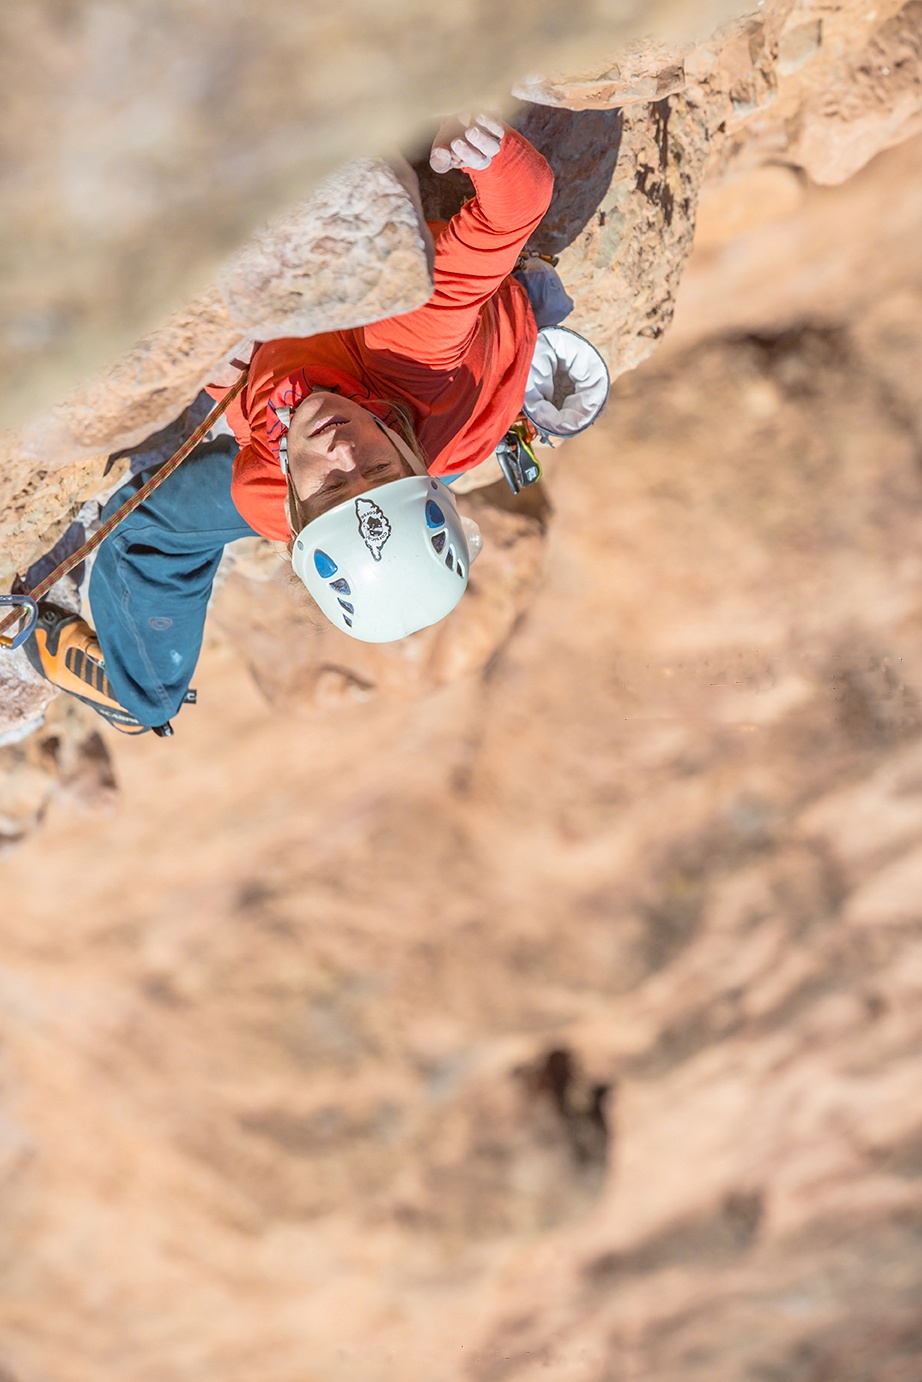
(353, 254)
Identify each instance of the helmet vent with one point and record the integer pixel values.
(460, 571)
(434, 516)
(450, 559)
(347, 620)
(324, 565)
(438, 541)
(341, 587)
(346, 605)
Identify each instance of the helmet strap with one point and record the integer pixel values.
(409, 455)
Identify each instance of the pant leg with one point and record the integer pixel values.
(152, 579)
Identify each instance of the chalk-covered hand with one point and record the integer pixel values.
(466, 142)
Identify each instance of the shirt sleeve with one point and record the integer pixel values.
(474, 252)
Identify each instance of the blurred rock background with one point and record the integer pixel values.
(539, 997)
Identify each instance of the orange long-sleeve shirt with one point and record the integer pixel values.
(459, 363)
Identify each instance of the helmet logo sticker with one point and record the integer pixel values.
(374, 525)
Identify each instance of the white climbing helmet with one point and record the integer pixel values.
(390, 561)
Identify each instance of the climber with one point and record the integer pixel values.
(346, 442)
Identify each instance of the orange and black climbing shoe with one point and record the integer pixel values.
(64, 649)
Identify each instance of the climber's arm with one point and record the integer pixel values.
(474, 253)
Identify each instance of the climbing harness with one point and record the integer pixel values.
(25, 603)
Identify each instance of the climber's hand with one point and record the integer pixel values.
(463, 142)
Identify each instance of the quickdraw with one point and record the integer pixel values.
(25, 603)
(516, 457)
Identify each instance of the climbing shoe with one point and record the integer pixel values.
(65, 651)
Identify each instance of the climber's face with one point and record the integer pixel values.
(336, 451)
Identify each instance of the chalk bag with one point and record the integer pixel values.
(568, 384)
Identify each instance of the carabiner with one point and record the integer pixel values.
(517, 460)
(30, 608)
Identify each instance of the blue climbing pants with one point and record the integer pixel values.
(152, 579)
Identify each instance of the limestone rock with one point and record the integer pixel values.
(143, 390)
(733, 208)
(624, 267)
(561, 1022)
(149, 141)
(644, 72)
(24, 695)
(355, 253)
(63, 759)
(791, 261)
(824, 88)
(39, 500)
(871, 99)
(539, 997)
(798, 44)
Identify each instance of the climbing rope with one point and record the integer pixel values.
(25, 603)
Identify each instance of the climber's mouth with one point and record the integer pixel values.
(326, 425)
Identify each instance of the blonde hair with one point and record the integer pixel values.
(405, 427)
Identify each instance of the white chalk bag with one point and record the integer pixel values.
(568, 384)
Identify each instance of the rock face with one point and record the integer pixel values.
(24, 695)
(561, 1022)
(538, 998)
(355, 252)
(732, 126)
(860, 98)
(623, 257)
(789, 89)
(65, 762)
(788, 259)
(142, 144)
(644, 72)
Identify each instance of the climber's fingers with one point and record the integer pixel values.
(463, 142)
(493, 125)
(440, 160)
(441, 157)
(484, 141)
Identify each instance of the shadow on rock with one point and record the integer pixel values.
(582, 147)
